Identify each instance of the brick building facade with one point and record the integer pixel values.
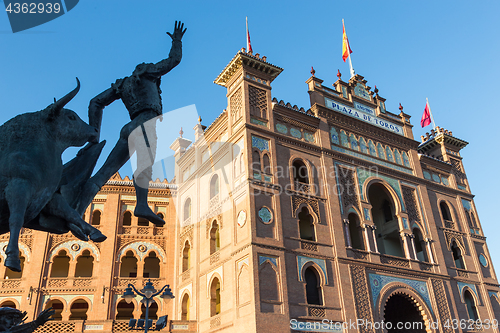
(284, 217)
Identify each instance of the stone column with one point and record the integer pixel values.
(429, 250)
(406, 248)
(347, 233)
(412, 242)
(373, 227)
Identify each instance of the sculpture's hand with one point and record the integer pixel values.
(178, 31)
(44, 316)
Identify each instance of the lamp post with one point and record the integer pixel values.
(148, 292)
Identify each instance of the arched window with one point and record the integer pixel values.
(300, 173)
(151, 266)
(128, 266)
(215, 297)
(10, 274)
(214, 186)
(383, 214)
(84, 265)
(420, 249)
(79, 310)
(266, 164)
(127, 218)
(445, 211)
(470, 305)
(187, 209)
(313, 287)
(124, 310)
(306, 226)
(356, 232)
(186, 257)
(96, 217)
(58, 307)
(214, 238)
(256, 165)
(8, 304)
(60, 265)
(496, 307)
(185, 307)
(457, 255)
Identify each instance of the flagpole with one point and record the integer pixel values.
(430, 112)
(351, 70)
(248, 46)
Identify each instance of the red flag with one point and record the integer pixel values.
(426, 117)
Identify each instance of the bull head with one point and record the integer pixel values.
(55, 108)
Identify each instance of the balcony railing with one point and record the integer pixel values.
(69, 282)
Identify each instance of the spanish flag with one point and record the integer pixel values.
(346, 48)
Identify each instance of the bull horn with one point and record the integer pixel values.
(58, 105)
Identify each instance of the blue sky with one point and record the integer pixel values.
(443, 50)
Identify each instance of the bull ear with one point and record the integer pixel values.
(56, 108)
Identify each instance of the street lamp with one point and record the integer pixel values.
(148, 292)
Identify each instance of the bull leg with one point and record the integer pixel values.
(16, 194)
(59, 207)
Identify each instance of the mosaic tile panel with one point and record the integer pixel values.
(344, 141)
(309, 137)
(281, 128)
(373, 151)
(265, 215)
(260, 143)
(381, 153)
(389, 155)
(295, 133)
(370, 159)
(362, 146)
(378, 281)
(334, 137)
(354, 142)
(466, 204)
(301, 261)
(406, 160)
(366, 212)
(273, 260)
(258, 122)
(397, 157)
(462, 285)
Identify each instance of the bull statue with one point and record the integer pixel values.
(35, 188)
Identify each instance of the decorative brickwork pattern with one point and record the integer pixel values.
(442, 304)
(57, 327)
(316, 312)
(308, 246)
(236, 105)
(450, 235)
(458, 171)
(215, 322)
(395, 261)
(411, 204)
(11, 284)
(258, 102)
(297, 201)
(347, 188)
(361, 296)
(120, 326)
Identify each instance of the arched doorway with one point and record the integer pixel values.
(79, 310)
(125, 310)
(402, 315)
(58, 307)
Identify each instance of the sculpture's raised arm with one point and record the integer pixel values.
(175, 55)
